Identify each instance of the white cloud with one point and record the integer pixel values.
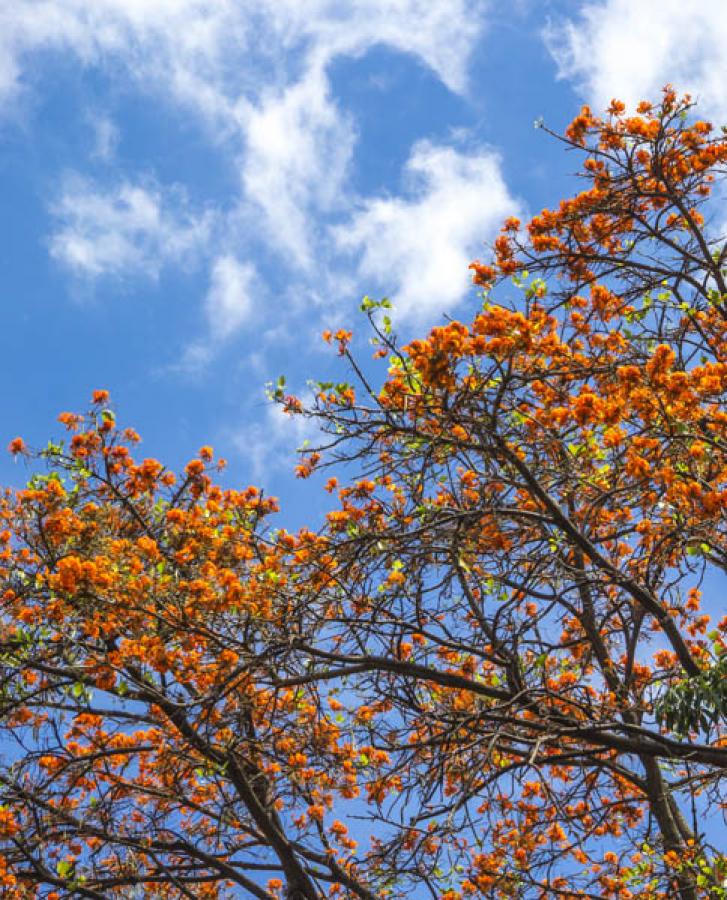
(298, 150)
(128, 228)
(229, 304)
(442, 34)
(221, 44)
(229, 300)
(106, 137)
(299, 143)
(172, 45)
(257, 72)
(418, 249)
(629, 50)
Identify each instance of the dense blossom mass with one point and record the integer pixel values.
(497, 671)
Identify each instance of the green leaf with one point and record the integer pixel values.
(64, 868)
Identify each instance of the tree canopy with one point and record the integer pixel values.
(496, 671)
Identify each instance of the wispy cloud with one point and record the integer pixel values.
(258, 77)
(106, 136)
(234, 292)
(123, 229)
(229, 301)
(298, 146)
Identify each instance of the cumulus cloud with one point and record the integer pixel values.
(123, 229)
(417, 248)
(618, 48)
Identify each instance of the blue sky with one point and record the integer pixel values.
(192, 190)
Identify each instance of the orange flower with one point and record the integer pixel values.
(194, 468)
(664, 659)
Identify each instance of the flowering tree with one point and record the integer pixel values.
(543, 509)
(493, 673)
(144, 657)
